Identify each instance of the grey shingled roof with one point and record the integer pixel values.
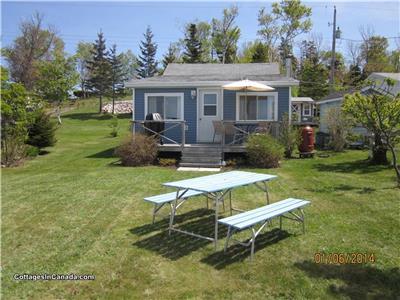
(214, 74)
(221, 71)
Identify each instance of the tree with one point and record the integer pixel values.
(170, 56)
(374, 53)
(269, 32)
(147, 64)
(288, 19)
(339, 126)
(260, 53)
(380, 114)
(83, 56)
(56, 79)
(14, 120)
(193, 51)
(339, 66)
(41, 131)
(129, 63)
(34, 44)
(117, 75)
(204, 37)
(313, 73)
(225, 35)
(99, 67)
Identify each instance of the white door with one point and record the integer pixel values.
(209, 109)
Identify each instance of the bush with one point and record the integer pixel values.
(13, 150)
(339, 126)
(41, 132)
(167, 162)
(289, 136)
(137, 150)
(264, 151)
(114, 126)
(32, 151)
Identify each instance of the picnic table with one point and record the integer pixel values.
(215, 187)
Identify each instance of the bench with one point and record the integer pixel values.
(263, 216)
(160, 200)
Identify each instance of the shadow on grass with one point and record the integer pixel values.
(108, 153)
(360, 281)
(163, 223)
(356, 167)
(342, 188)
(178, 245)
(238, 253)
(94, 116)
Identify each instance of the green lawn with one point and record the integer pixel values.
(75, 210)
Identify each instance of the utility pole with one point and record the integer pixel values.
(332, 75)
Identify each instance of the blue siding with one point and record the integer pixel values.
(230, 103)
(190, 108)
(190, 111)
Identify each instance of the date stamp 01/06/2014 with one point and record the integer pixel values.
(344, 258)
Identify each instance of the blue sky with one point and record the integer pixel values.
(123, 23)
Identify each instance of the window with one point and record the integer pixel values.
(210, 105)
(169, 106)
(307, 109)
(257, 107)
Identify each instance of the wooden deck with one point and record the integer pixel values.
(225, 149)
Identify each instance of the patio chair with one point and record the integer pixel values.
(218, 128)
(263, 127)
(229, 127)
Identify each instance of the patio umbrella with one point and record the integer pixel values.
(247, 85)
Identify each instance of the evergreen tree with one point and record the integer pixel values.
(193, 51)
(170, 56)
(117, 75)
(147, 60)
(313, 73)
(99, 67)
(260, 53)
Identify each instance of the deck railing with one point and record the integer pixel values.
(237, 132)
(140, 126)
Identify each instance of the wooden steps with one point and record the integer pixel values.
(201, 156)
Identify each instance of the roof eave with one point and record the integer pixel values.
(153, 84)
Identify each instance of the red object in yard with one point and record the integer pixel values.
(307, 144)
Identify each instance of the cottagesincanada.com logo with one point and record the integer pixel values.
(45, 276)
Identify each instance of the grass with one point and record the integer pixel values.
(75, 210)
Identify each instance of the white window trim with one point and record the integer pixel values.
(180, 95)
(310, 109)
(211, 92)
(273, 94)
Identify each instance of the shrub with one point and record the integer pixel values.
(12, 149)
(167, 162)
(339, 126)
(32, 151)
(137, 150)
(114, 126)
(41, 132)
(289, 136)
(264, 151)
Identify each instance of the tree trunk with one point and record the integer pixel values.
(395, 166)
(58, 112)
(100, 103)
(113, 101)
(379, 152)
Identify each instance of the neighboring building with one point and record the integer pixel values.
(193, 93)
(336, 99)
(303, 109)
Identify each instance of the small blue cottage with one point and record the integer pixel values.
(192, 102)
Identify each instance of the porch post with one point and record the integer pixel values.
(183, 125)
